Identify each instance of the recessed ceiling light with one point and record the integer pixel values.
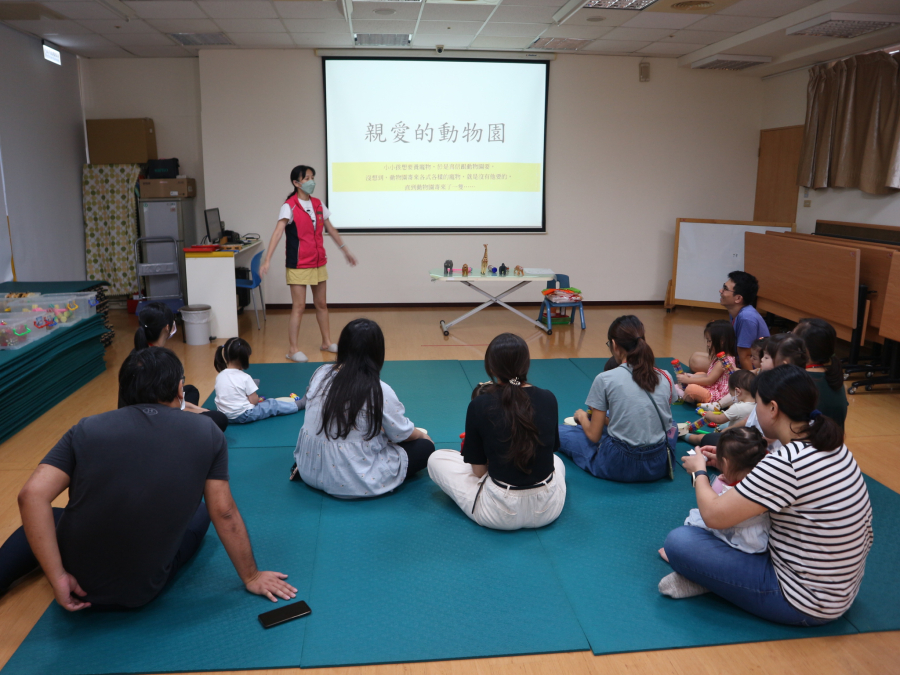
(566, 44)
(596, 19)
(382, 39)
(729, 62)
(385, 12)
(844, 25)
(200, 39)
(693, 4)
(618, 4)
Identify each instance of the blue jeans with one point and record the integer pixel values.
(612, 459)
(747, 580)
(268, 408)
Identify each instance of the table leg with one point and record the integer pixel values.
(491, 301)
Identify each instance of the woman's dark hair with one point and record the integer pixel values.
(746, 286)
(759, 346)
(354, 386)
(743, 448)
(820, 338)
(628, 332)
(743, 379)
(507, 360)
(149, 375)
(721, 338)
(797, 397)
(153, 319)
(783, 347)
(611, 364)
(235, 349)
(297, 173)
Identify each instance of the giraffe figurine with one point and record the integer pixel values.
(484, 262)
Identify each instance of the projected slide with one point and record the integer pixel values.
(435, 145)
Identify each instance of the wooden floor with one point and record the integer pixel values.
(873, 427)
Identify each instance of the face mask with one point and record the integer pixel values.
(308, 186)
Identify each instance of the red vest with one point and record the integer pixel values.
(304, 247)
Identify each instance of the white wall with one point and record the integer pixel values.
(624, 160)
(785, 105)
(43, 151)
(165, 90)
(6, 271)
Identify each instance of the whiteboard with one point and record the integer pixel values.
(707, 252)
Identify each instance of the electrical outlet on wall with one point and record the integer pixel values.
(807, 202)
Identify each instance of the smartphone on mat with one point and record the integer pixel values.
(283, 614)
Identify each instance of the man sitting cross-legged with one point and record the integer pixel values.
(136, 477)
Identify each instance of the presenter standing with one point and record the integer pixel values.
(302, 219)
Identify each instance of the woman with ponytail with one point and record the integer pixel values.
(818, 504)
(507, 476)
(824, 367)
(623, 436)
(356, 440)
(157, 326)
(302, 220)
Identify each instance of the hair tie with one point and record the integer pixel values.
(814, 415)
(515, 381)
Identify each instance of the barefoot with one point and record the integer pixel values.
(662, 554)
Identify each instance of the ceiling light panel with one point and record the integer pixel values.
(844, 25)
(200, 39)
(382, 39)
(729, 62)
(560, 44)
(618, 4)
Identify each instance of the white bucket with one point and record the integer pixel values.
(196, 323)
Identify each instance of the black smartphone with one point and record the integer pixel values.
(282, 614)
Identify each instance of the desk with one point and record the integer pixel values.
(210, 281)
(438, 276)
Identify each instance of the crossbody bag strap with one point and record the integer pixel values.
(670, 455)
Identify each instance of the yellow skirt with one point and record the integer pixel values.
(307, 276)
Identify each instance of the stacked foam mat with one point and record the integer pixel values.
(39, 375)
(408, 577)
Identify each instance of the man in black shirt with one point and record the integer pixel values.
(136, 477)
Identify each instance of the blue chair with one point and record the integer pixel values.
(254, 282)
(562, 281)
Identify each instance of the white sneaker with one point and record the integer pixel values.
(298, 357)
(330, 348)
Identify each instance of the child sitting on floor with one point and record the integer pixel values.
(737, 454)
(742, 387)
(712, 386)
(236, 391)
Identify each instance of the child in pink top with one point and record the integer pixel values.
(712, 386)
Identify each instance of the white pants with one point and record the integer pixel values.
(496, 507)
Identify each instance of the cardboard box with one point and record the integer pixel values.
(167, 188)
(125, 141)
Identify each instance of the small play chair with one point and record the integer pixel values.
(252, 283)
(562, 281)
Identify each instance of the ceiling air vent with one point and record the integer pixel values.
(844, 25)
(382, 39)
(563, 44)
(200, 39)
(729, 62)
(618, 4)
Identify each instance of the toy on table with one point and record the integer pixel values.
(448, 268)
(519, 271)
(729, 367)
(484, 262)
(492, 270)
(676, 366)
(465, 270)
(503, 269)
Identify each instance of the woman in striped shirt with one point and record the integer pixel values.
(819, 508)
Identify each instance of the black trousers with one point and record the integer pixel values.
(17, 560)
(192, 395)
(418, 453)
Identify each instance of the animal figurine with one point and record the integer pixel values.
(484, 262)
(448, 268)
(503, 269)
(465, 270)
(519, 271)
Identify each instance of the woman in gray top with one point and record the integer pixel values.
(622, 437)
(356, 440)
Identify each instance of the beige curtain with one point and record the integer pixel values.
(852, 127)
(110, 224)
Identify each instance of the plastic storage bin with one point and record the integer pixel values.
(196, 323)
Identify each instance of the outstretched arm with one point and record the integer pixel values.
(231, 530)
(46, 484)
(276, 237)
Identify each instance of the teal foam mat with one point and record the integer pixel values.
(407, 577)
(204, 620)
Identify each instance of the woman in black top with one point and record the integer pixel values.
(507, 477)
(824, 367)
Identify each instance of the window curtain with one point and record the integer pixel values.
(110, 224)
(852, 126)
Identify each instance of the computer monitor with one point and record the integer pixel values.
(213, 225)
